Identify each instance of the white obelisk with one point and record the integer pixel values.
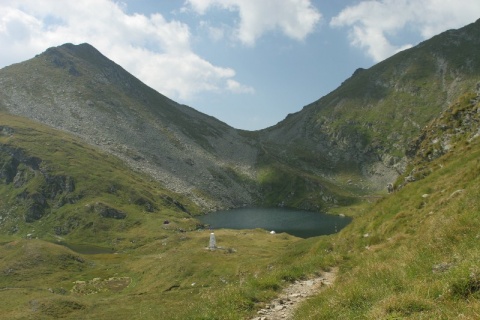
(213, 243)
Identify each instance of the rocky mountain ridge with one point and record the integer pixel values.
(350, 142)
(78, 90)
(366, 124)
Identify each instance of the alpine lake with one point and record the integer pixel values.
(299, 223)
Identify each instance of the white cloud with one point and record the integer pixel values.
(155, 50)
(234, 86)
(214, 33)
(374, 24)
(295, 18)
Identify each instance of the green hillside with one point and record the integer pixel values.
(55, 186)
(358, 133)
(412, 254)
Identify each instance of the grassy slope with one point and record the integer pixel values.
(375, 114)
(98, 178)
(159, 269)
(414, 254)
(175, 278)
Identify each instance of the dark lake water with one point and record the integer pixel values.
(303, 224)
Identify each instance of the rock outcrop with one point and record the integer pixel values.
(20, 170)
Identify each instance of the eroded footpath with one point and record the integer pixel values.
(292, 296)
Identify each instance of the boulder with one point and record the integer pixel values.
(108, 212)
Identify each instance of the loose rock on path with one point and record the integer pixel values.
(284, 306)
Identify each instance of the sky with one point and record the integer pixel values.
(248, 63)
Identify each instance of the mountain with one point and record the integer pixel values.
(364, 126)
(410, 254)
(78, 90)
(348, 144)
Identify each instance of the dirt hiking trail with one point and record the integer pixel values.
(292, 296)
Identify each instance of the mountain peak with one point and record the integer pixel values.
(66, 53)
(83, 49)
(77, 89)
(75, 48)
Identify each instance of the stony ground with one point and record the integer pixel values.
(284, 305)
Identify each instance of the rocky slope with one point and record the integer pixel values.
(351, 142)
(77, 89)
(453, 129)
(365, 125)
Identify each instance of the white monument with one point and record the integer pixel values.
(213, 243)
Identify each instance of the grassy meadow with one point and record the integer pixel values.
(158, 268)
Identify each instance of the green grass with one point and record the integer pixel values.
(412, 254)
(170, 271)
(176, 276)
(394, 252)
(405, 256)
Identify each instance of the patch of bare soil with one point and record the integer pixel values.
(293, 295)
(114, 284)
